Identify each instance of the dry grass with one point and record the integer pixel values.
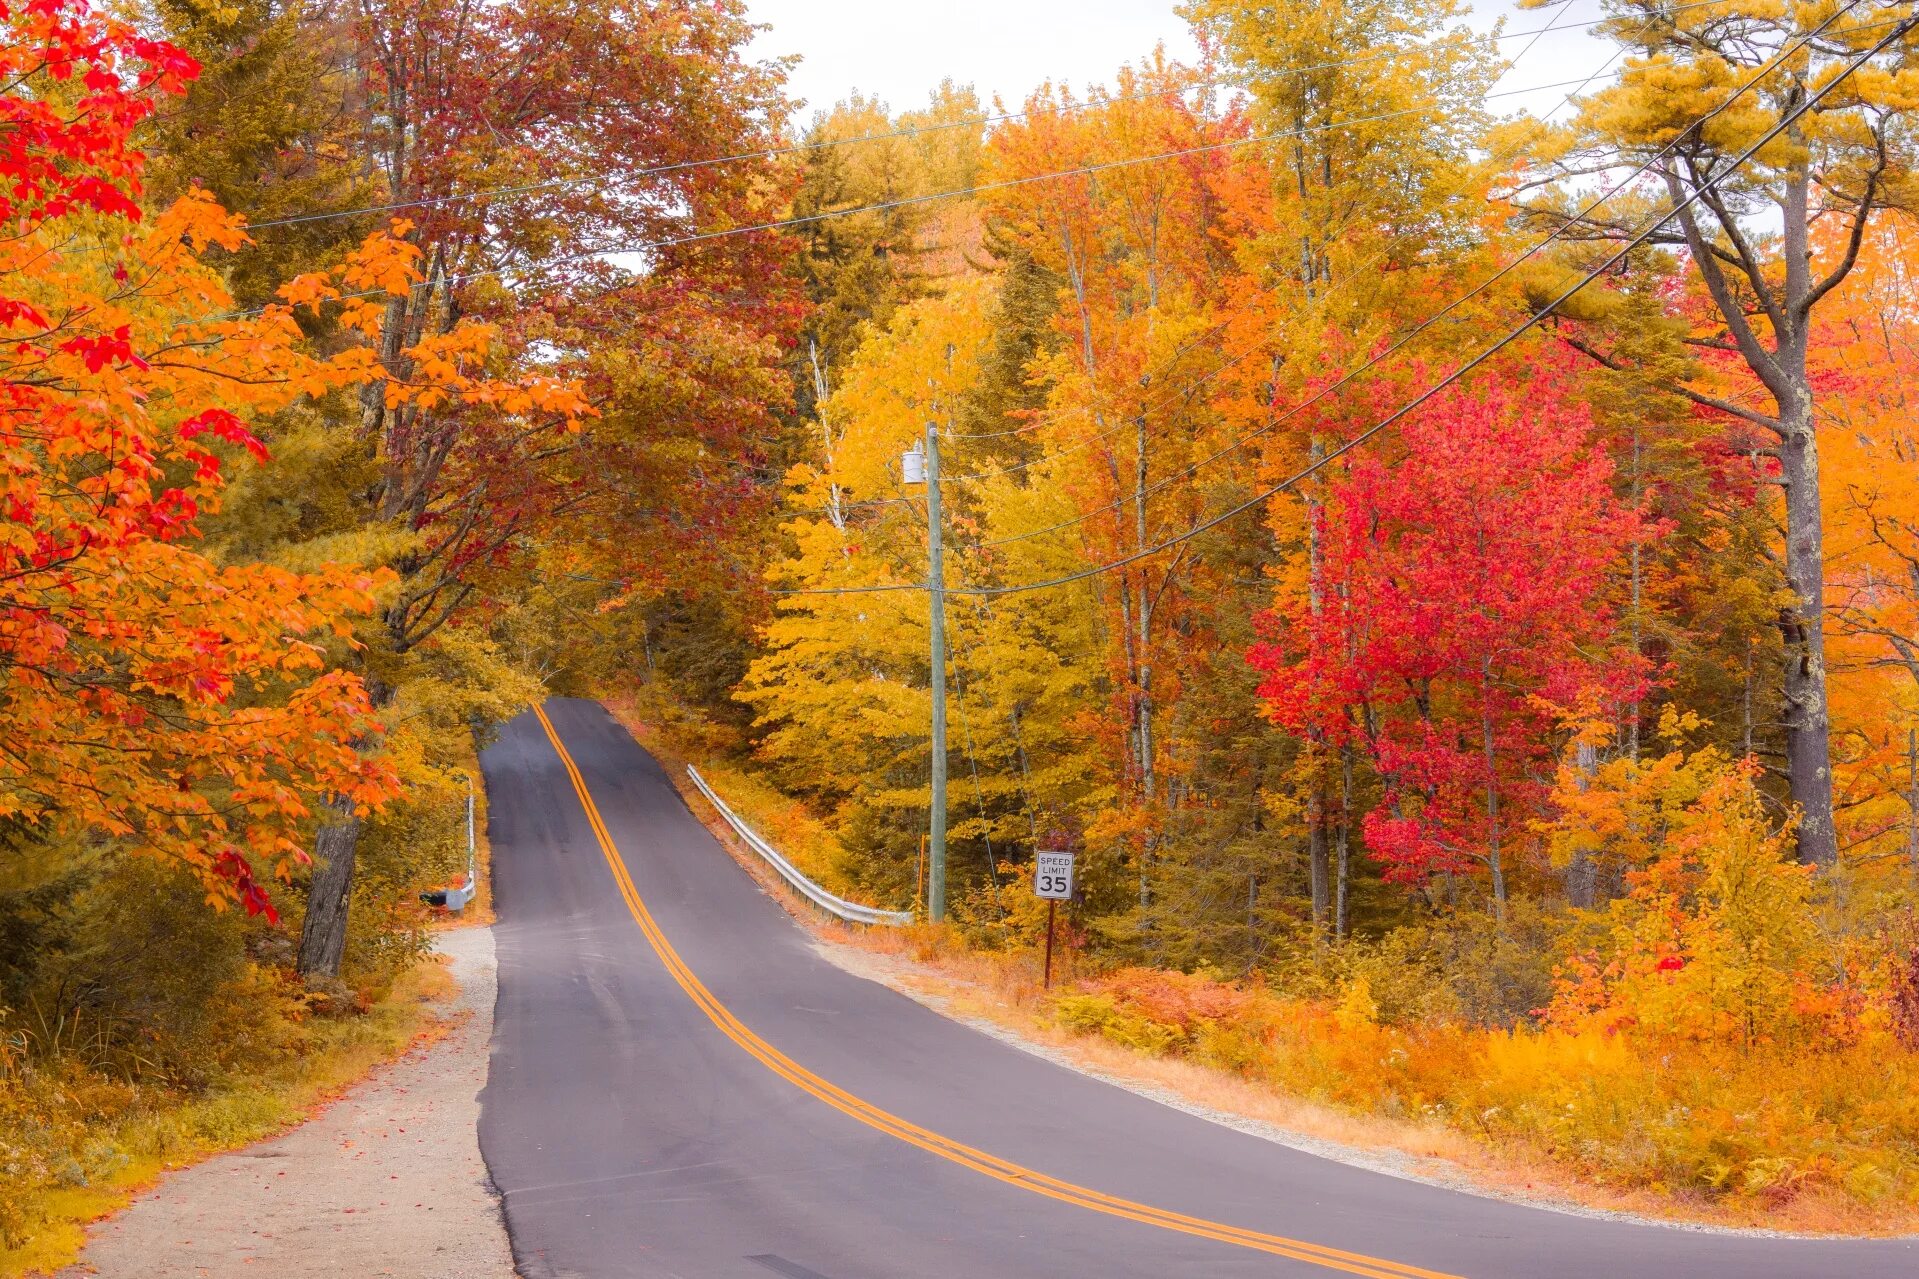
(1266, 1088)
(163, 1132)
(1002, 993)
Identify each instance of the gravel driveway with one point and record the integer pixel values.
(388, 1181)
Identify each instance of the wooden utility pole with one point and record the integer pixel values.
(936, 595)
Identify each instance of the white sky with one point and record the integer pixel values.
(899, 49)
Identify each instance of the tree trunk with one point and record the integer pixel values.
(1318, 868)
(1581, 874)
(1782, 369)
(1319, 864)
(1493, 852)
(1912, 801)
(323, 933)
(1802, 625)
(1343, 842)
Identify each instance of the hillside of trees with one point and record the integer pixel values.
(1451, 576)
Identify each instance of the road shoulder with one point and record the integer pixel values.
(387, 1181)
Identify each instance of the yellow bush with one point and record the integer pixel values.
(1101, 1014)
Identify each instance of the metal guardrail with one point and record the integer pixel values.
(852, 912)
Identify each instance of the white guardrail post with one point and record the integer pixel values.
(852, 912)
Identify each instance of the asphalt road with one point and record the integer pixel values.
(680, 1086)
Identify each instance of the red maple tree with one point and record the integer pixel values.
(1463, 608)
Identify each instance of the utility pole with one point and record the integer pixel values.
(926, 467)
(936, 595)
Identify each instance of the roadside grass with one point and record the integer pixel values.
(1807, 1144)
(1804, 1141)
(78, 1144)
(88, 1120)
(782, 821)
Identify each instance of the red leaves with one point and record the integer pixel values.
(59, 154)
(12, 311)
(98, 352)
(1463, 605)
(223, 425)
(100, 196)
(169, 67)
(233, 867)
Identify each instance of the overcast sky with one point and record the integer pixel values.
(900, 50)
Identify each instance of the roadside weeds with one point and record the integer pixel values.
(387, 1179)
(999, 994)
(162, 1142)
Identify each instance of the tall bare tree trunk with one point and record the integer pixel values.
(1343, 843)
(1582, 875)
(1781, 367)
(1912, 801)
(1802, 625)
(1494, 853)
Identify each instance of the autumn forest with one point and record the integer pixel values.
(1450, 574)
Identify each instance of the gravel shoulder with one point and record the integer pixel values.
(387, 1181)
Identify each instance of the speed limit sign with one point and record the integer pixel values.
(1053, 876)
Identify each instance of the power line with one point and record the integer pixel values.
(606, 251)
(1902, 28)
(1619, 254)
(976, 122)
(1406, 340)
(1087, 170)
(1563, 8)
(982, 188)
(1578, 86)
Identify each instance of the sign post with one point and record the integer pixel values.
(1052, 880)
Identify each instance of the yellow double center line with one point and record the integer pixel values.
(945, 1147)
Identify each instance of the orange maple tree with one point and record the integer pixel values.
(151, 695)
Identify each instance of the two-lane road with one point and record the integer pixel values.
(681, 1086)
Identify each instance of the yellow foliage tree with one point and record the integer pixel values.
(1716, 941)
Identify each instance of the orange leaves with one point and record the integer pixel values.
(438, 370)
(198, 219)
(387, 262)
(150, 695)
(1716, 942)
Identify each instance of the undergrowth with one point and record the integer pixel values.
(78, 1135)
(1808, 1138)
(1812, 1125)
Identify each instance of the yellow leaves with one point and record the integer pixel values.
(1745, 63)
(1716, 941)
(1356, 1010)
(1619, 811)
(903, 377)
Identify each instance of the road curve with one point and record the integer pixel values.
(680, 1086)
